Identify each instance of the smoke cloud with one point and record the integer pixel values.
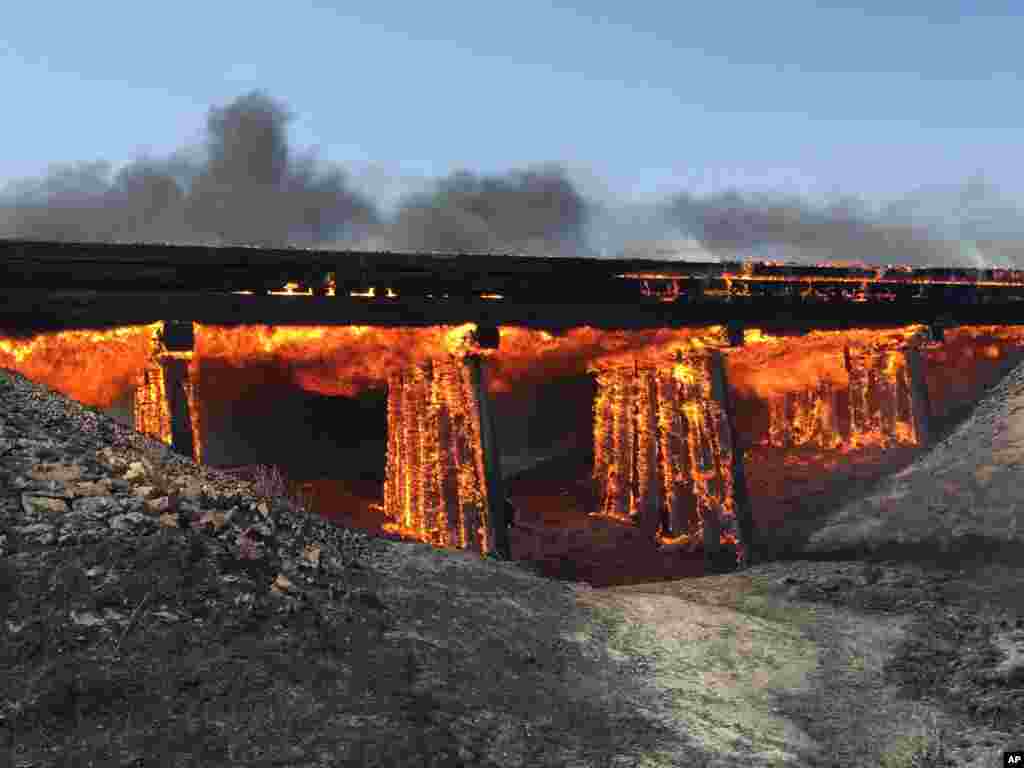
(968, 225)
(245, 184)
(250, 188)
(731, 225)
(533, 212)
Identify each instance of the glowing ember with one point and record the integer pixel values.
(434, 482)
(166, 390)
(93, 367)
(663, 450)
(333, 360)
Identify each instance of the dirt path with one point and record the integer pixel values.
(763, 680)
(769, 667)
(761, 672)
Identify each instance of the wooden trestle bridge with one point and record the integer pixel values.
(51, 286)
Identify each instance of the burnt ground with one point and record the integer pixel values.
(134, 636)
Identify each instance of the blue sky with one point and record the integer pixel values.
(637, 99)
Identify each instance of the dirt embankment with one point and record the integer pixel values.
(215, 620)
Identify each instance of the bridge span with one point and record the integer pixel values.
(695, 366)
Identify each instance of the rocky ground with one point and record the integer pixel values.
(156, 612)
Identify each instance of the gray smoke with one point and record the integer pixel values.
(247, 187)
(532, 212)
(732, 225)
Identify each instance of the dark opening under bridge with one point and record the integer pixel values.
(666, 445)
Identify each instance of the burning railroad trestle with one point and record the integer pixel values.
(701, 370)
(668, 453)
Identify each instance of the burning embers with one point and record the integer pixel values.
(884, 402)
(166, 402)
(434, 487)
(664, 448)
(670, 404)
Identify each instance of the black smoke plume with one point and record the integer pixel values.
(532, 212)
(247, 185)
(248, 188)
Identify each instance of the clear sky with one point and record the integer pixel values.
(636, 98)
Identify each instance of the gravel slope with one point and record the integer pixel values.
(963, 500)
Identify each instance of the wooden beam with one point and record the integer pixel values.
(497, 524)
(741, 498)
(26, 313)
(27, 265)
(920, 402)
(175, 386)
(649, 482)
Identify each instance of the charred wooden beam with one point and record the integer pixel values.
(180, 405)
(26, 312)
(919, 400)
(497, 525)
(740, 495)
(26, 265)
(166, 403)
(648, 467)
(734, 332)
(178, 336)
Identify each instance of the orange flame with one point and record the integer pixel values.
(433, 487)
(96, 368)
(663, 452)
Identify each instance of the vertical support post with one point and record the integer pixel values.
(430, 449)
(447, 467)
(919, 401)
(602, 437)
(860, 402)
(394, 483)
(647, 437)
(497, 525)
(434, 488)
(741, 499)
(165, 403)
(175, 384)
(151, 413)
(618, 501)
(676, 484)
(192, 398)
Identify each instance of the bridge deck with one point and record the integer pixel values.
(65, 284)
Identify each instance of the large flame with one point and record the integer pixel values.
(663, 449)
(93, 367)
(434, 482)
